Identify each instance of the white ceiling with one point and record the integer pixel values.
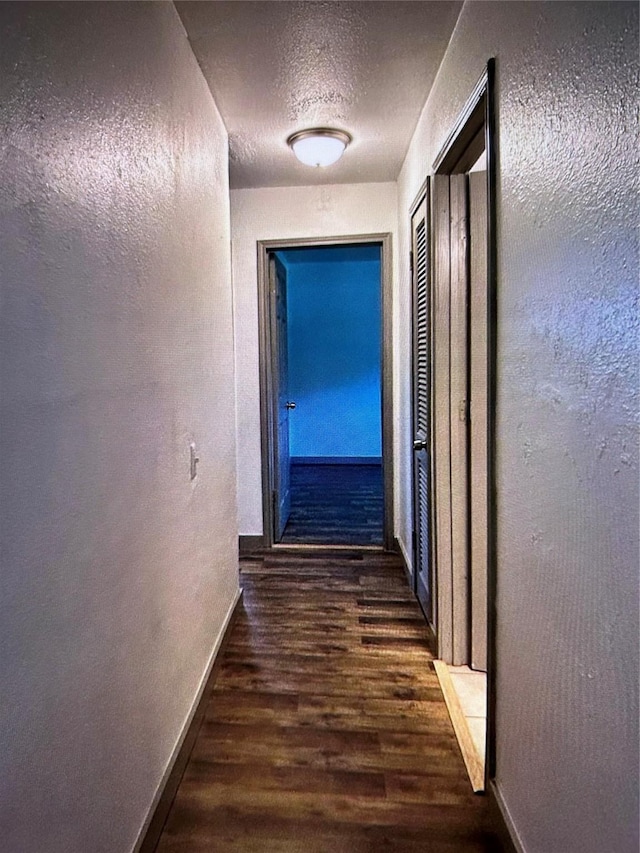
(277, 67)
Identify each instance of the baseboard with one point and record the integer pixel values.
(509, 836)
(247, 544)
(398, 546)
(161, 804)
(336, 460)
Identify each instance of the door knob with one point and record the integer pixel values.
(419, 444)
(290, 405)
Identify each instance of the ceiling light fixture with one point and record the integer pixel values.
(319, 146)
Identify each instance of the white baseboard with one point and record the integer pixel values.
(336, 460)
(405, 556)
(185, 726)
(514, 836)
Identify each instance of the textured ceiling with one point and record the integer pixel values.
(277, 67)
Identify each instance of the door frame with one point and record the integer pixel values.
(476, 124)
(266, 344)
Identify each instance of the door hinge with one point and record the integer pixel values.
(414, 542)
(411, 261)
(463, 411)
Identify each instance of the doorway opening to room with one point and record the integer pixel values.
(326, 392)
(454, 414)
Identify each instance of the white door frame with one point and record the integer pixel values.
(476, 126)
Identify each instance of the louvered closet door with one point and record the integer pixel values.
(422, 408)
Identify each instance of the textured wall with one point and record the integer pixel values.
(567, 447)
(334, 328)
(116, 332)
(274, 214)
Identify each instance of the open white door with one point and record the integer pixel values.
(459, 419)
(479, 379)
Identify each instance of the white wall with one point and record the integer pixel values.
(567, 449)
(333, 328)
(274, 214)
(116, 329)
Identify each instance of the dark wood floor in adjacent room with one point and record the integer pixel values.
(326, 731)
(335, 505)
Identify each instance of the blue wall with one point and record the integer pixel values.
(334, 321)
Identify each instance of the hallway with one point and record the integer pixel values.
(147, 173)
(326, 729)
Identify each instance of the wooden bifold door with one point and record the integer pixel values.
(422, 410)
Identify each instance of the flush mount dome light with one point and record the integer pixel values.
(320, 146)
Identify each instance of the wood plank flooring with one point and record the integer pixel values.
(326, 731)
(335, 505)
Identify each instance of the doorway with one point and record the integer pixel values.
(326, 391)
(459, 410)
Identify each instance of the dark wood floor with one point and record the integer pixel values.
(326, 731)
(335, 505)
